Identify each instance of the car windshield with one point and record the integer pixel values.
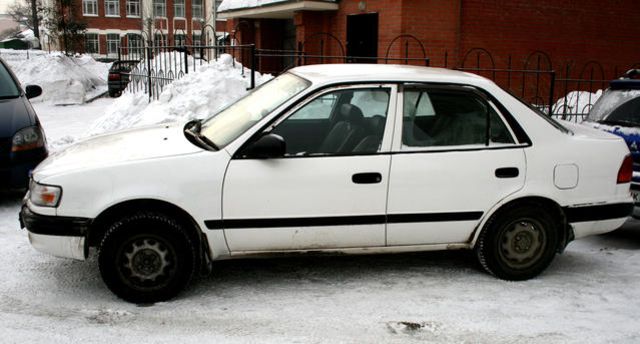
(228, 124)
(617, 107)
(8, 87)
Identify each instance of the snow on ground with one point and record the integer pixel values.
(64, 79)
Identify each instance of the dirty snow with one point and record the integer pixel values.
(64, 79)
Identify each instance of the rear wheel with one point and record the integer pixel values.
(146, 257)
(518, 243)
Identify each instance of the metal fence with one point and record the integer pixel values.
(567, 91)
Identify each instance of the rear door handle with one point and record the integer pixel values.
(507, 172)
(367, 178)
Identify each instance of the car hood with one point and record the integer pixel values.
(14, 116)
(151, 142)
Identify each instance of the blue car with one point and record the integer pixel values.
(618, 112)
(22, 140)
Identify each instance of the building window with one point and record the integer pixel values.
(180, 39)
(196, 8)
(133, 8)
(159, 8)
(159, 40)
(91, 45)
(113, 43)
(196, 39)
(178, 8)
(90, 7)
(112, 8)
(134, 44)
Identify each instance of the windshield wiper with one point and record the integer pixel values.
(619, 122)
(9, 96)
(193, 128)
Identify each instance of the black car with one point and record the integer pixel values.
(119, 76)
(618, 112)
(22, 140)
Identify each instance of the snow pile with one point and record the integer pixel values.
(576, 102)
(64, 80)
(197, 95)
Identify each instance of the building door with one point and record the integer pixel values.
(362, 37)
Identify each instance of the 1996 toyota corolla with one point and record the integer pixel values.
(332, 158)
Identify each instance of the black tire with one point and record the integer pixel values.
(113, 94)
(146, 257)
(518, 242)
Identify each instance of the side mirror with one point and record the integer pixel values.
(268, 146)
(32, 91)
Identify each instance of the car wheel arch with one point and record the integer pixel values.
(565, 236)
(101, 223)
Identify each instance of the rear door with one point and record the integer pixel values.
(454, 158)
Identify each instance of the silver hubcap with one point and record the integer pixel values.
(522, 244)
(146, 259)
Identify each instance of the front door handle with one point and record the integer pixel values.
(367, 178)
(507, 172)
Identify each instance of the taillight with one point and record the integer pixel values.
(626, 170)
(114, 76)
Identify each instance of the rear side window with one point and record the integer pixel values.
(8, 87)
(442, 117)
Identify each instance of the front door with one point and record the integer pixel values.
(455, 159)
(329, 190)
(362, 37)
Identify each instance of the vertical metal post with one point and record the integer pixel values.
(186, 60)
(149, 52)
(253, 66)
(551, 92)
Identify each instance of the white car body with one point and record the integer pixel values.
(431, 198)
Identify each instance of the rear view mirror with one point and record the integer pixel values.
(32, 91)
(268, 146)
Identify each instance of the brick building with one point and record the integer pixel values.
(571, 37)
(126, 23)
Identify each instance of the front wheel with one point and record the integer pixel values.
(518, 243)
(146, 258)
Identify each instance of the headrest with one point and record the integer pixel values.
(351, 113)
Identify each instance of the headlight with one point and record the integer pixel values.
(27, 138)
(44, 195)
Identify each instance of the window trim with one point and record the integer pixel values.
(127, 7)
(387, 137)
(400, 148)
(95, 7)
(117, 8)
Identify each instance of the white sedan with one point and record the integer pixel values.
(346, 159)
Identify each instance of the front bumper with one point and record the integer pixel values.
(57, 235)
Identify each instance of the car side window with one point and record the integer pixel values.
(628, 112)
(346, 121)
(442, 117)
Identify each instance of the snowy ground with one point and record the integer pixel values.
(590, 294)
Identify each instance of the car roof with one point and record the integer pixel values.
(331, 73)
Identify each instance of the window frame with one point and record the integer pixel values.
(95, 41)
(130, 4)
(488, 101)
(85, 6)
(199, 4)
(387, 137)
(111, 41)
(181, 5)
(157, 4)
(115, 4)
